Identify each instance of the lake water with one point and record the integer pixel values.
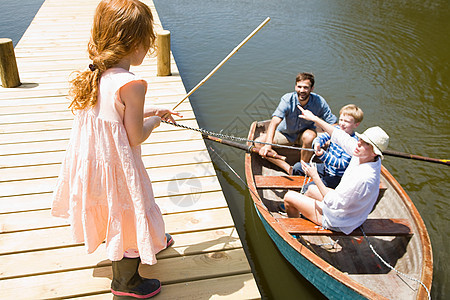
(16, 16)
(391, 58)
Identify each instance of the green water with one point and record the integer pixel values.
(391, 58)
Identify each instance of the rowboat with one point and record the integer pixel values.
(345, 266)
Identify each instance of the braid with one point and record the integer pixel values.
(84, 89)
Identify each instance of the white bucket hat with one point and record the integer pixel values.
(377, 137)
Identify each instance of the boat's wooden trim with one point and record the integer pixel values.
(427, 266)
(372, 227)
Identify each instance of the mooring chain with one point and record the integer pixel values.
(391, 267)
(232, 137)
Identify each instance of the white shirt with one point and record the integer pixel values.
(349, 205)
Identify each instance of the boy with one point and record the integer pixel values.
(335, 159)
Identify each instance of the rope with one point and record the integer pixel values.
(234, 138)
(302, 191)
(391, 267)
(332, 243)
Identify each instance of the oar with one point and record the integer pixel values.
(416, 157)
(251, 148)
(223, 61)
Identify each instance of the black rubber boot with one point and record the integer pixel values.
(128, 283)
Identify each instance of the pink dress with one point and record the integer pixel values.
(103, 187)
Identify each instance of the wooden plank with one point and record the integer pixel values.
(61, 105)
(168, 204)
(75, 257)
(287, 182)
(60, 145)
(241, 287)
(181, 222)
(8, 101)
(45, 132)
(155, 161)
(87, 281)
(374, 227)
(32, 118)
(44, 239)
(19, 132)
(223, 288)
(173, 187)
(157, 174)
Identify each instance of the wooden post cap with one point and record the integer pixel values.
(163, 53)
(8, 66)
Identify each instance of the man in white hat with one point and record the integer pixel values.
(346, 207)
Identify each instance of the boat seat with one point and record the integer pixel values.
(372, 227)
(287, 182)
(280, 182)
(295, 183)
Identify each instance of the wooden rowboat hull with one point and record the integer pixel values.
(339, 266)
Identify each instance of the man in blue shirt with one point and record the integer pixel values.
(288, 129)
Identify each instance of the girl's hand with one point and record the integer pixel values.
(162, 112)
(166, 115)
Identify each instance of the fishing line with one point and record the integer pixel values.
(237, 175)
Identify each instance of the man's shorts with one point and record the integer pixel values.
(281, 139)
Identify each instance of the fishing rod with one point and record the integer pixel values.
(416, 157)
(223, 61)
(226, 140)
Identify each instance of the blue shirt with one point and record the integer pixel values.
(292, 125)
(335, 158)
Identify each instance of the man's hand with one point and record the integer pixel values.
(265, 150)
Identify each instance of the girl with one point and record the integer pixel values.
(103, 187)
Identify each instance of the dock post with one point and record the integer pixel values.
(163, 53)
(8, 66)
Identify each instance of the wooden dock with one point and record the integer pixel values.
(38, 259)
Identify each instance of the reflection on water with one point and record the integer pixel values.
(391, 58)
